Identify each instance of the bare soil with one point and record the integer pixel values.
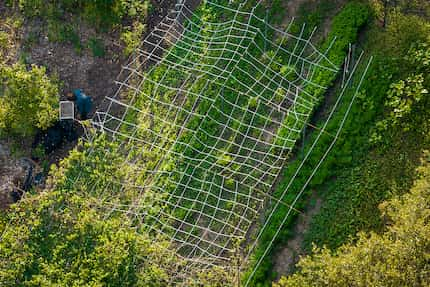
(287, 256)
(94, 75)
(75, 69)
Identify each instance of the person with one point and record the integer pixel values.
(83, 103)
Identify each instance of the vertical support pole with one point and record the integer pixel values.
(238, 274)
(236, 264)
(346, 65)
(352, 62)
(265, 30)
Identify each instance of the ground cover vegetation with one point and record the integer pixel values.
(57, 238)
(101, 180)
(383, 155)
(380, 148)
(29, 95)
(404, 243)
(204, 146)
(377, 156)
(345, 27)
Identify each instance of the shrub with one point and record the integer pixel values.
(132, 37)
(398, 257)
(97, 47)
(28, 99)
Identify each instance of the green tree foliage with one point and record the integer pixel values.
(383, 8)
(403, 95)
(132, 37)
(384, 165)
(407, 100)
(404, 30)
(58, 240)
(62, 236)
(28, 99)
(398, 257)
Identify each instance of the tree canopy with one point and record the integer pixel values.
(62, 236)
(398, 257)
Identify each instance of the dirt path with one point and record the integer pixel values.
(287, 256)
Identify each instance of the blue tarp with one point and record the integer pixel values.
(83, 103)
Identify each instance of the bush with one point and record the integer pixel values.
(63, 33)
(132, 37)
(399, 257)
(28, 99)
(407, 100)
(97, 47)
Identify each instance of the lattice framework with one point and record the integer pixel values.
(205, 117)
(216, 111)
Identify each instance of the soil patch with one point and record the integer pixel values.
(286, 258)
(75, 68)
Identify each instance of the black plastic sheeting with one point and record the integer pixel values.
(52, 138)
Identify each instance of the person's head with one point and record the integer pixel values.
(70, 96)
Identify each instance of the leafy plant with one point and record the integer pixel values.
(63, 33)
(28, 99)
(398, 257)
(407, 100)
(38, 152)
(345, 28)
(97, 47)
(132, 37)
(102, 13)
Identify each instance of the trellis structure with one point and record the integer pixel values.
(207, 112)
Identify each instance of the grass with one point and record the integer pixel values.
(61, 32)
(359, 174)
(97, 48)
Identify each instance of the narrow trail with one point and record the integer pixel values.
(286, 258)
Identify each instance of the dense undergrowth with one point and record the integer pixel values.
(386, 149)
(58, 238)
(88, 196)
(382, 141)
(103, 181)
(28, 96)
(345, 28)
(404, 243)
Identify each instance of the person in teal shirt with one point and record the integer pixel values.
(83, 102)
